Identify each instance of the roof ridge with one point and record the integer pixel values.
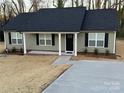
(61, 8)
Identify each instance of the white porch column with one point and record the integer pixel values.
(24, 43)
(75, 45)
(114, 49)
(59, 43)
(5, 39)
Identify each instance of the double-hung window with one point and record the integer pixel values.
(96, 39)
(16, 38)
(45, 39)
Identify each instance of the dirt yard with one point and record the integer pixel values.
(120, 49)
(1, 46)
(28, 74)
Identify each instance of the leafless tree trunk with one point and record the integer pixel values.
(72, 2)
(77, 3)
(98, 4)
(89, 4)
(115, 4)
(93, 4)
(35, 5)
(59, 3)
(82, 2)
(109, 3)
(105, 4)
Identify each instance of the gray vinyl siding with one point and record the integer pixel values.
(11, 46)
(81, 44)
(31, 43)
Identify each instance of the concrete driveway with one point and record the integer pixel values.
(90, 77)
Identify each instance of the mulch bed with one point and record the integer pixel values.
(84, 56)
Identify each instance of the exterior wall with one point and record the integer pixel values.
(11, 46)
(81, 43)
(31, 43)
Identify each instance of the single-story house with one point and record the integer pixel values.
(63, 30)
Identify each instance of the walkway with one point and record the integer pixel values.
(89, 77)
(63, 60)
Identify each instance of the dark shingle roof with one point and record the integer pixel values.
(65, 20)
(101, 19)
(17, 22)
(57, 19)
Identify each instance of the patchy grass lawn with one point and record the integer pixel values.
(28, 73)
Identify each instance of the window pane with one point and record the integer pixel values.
(100, 43)
(100, 36)
(42, 36)
(13, 35)
(19, 41)
(48, 42)
(48, 36)
(42, 42)
(19, 35)
(92, 36)
(13, 41)
(91, 42)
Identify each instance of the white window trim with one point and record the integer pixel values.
(45, 35)
(16, 38)
(96, 41)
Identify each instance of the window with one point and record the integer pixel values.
(96, 39)
(16, 38)
(45, 39)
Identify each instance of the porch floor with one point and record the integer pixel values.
(48, 52)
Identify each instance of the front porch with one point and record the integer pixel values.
(65, 44)
(48, 53)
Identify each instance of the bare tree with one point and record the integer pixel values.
(105, 4)
(35, 5)
(93, 4)
(98, 4)
(89, 4)
(77, 3)
(59, 3)
(18, 6)
(6, 11)
(72, 2)
(82, 2)
(115, 4)
(109, 3)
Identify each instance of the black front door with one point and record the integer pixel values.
(69, 42)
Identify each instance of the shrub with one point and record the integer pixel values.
(13, 50)
(6, 50)
(95, 51)
(107, 52)
(85, 51)
(21, 50)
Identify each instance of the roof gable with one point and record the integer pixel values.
(101, 19)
